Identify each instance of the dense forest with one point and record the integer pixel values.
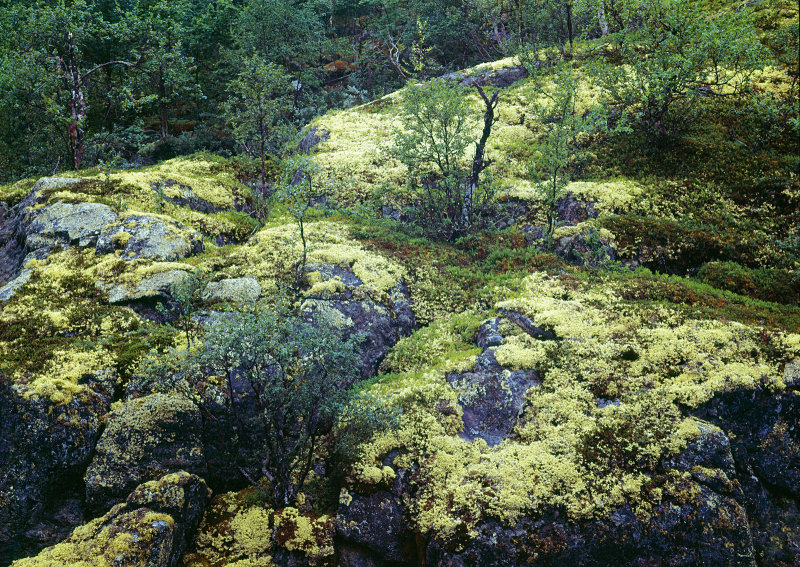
(374, 283)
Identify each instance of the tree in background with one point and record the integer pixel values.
(168, 71)
(438, 128)
(46, 69)
(675, 54)
(556, 109)
(259, 109)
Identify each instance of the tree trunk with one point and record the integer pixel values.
(77, 103)
(569, 25)
(478, 163)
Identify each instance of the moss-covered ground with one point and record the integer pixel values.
(711, 221)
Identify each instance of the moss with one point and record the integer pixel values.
(767, 284)
(572, 451)
(13, 193)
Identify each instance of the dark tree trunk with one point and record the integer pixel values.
(479, 163)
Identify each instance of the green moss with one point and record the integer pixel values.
(570, 452)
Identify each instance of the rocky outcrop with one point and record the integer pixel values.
(150, 529)
(32, 228)
(146, 438)
(764, 432)
(29, 217)
(705, 525)
(372, 529)
(44, 446)
(338, 295)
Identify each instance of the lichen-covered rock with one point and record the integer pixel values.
(233, 289)
(31, 227)
(582, 245)
(151, 529)
(155, 287)
(144, 439)
(43, 443)
(150, 236)
(491, 397)
(66, 224)
(376, 522)
(703, 523)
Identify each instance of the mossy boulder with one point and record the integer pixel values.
(146, 438)
(239, 290)
(44, 444)
(149, 236)
(150, 529)
(155, 287)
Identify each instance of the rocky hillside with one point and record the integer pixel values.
(624, 391)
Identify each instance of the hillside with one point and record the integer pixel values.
(622, 390)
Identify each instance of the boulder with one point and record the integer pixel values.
(155, 287)
(145, 439)
(44, 446)
(150, 529)
(239, 290)
(66, 224)
(150, 236)
(585, 246)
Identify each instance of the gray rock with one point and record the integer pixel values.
(491, 397)
(233, 289)
(149, 236)
(11, 288)
(154, 287)
(144, 439)
(66, 224)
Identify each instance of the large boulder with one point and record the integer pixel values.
(150, 289)
(150, 236)
(146, 438)
(44, 447)
(66, 224)
(150, 529)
